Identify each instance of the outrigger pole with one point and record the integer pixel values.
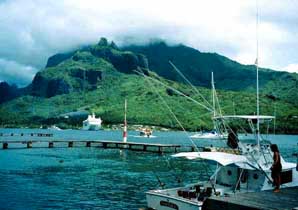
(257, 67)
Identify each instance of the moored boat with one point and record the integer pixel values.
(246, 168)
(146, 132)
(92, 123)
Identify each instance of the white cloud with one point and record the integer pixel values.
(15, 73)
(291, 68)
(32, 30)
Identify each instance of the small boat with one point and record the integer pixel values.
(54, 127)
(218, 132)
(146, 132)
(92, 123)
(209, 135)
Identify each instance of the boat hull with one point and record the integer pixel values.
(92, 127)
(160, 201)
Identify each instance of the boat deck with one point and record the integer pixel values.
(286, 199)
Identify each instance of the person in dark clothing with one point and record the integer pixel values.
(276, 167)
(233, 139)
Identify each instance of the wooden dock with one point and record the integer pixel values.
(267, 200)
(135, 146)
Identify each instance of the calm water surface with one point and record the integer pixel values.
(93, 178)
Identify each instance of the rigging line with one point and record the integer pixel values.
(161, 184)
(173, 89)
(257, 68)
(238, 181)
(177, 177)
(205, 165)
(192, 86)
(170, 110)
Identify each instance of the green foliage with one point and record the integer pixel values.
(99, 78)
(228, 74)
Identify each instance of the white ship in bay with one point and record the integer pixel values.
(92, 123)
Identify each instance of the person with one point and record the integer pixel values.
(276, 167)
(233, 139)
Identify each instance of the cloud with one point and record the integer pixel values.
(292, 68)
(15, 73)
(33, 30)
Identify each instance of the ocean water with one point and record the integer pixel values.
(95, 178)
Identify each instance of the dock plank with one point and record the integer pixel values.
(287, 198)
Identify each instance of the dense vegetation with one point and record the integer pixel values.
(228, 74)
(99, 78)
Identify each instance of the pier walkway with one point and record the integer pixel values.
(268, 200)
(135, 146)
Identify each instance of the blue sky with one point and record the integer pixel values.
(33, 30)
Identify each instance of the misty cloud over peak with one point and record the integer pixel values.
(33, 30)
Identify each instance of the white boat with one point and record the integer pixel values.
(209, 135)
(245, 169)
(54, 127)
(218, 132)
(92, 123)
(146, 132)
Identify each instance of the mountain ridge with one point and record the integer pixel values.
(97, 78)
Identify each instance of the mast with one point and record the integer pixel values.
(257, 68)
(125, 123)
(213, 94)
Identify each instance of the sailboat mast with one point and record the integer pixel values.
(257, 67)
(213, 94)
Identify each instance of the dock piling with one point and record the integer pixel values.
(70, 144)
(51, 144)
(88, 144)
(5, 145)
(29, 144)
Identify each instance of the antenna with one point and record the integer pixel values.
(257, 68)
(213, 95)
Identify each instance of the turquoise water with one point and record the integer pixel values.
(94, 178)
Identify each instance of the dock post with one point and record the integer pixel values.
(88, 144)
(160, 150)
(104, 145)
(192, 149)
(70, 144)
(144, 147)
(29, 144)
(5, 145)
(175, 149)
(51, 144)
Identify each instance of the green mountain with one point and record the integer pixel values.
(228, 74)
(98, 78)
